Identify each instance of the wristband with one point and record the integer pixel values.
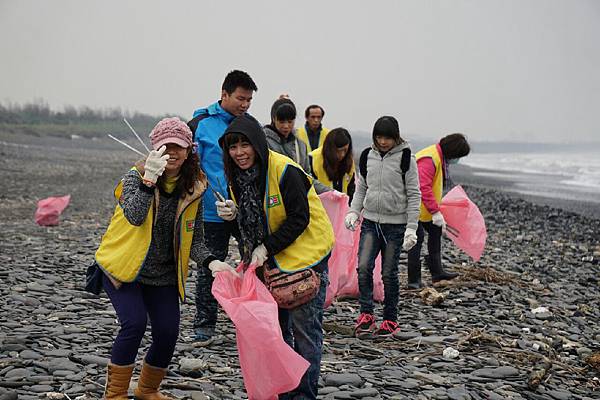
(148, 182)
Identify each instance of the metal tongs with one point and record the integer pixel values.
(128, 146)
(217, 194)
(452, 230)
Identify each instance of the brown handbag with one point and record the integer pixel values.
(291, 290)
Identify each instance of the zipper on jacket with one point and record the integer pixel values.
(380, 189)
(177, 255)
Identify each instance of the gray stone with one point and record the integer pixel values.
(365, 392)
(30, 355)
(343, 379)
(560, 394)
(496, 373)
(458, 393)
(18, 373)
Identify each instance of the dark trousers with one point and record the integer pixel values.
(134, 304)
(216, 237)
(434, 248)
(302, 329)
(387, 239)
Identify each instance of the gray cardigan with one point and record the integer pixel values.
(287, 147)
(158, 268)
(382, 197)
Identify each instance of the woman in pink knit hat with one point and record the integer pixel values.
(144, 255)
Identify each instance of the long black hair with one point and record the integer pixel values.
(337, 138)
(228, 140)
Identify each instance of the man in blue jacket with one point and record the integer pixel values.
(208, 124)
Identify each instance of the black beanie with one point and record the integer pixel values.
(283, 109)
(387, 126)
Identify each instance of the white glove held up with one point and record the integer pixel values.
(259, 255)
(410, 239)
(155, 164)
(438, 220)
(351, 220)
(226, 209)
(217, 266)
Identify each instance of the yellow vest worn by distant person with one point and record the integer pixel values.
(438, 178)
(302, 135)
(319, 171)
(317, 239)
(124, 246)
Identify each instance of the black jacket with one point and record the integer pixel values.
(294, 186)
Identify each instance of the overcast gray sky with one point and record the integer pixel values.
(495, 70)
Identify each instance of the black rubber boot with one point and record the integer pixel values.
(437, 271)
(414, 275)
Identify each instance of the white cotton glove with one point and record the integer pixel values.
(438, 220)
(155, 164)
(259, 255)
(226, 209)
(351, 220)
(410, 239)
(217, 266)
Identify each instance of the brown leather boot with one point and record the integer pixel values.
(117, 381)
(150, 379)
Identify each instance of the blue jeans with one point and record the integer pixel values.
(134, 303)
(216, 236)
(387, 239)
(302, 329)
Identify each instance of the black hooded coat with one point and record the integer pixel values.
(293, 184)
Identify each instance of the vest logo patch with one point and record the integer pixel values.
(189, 225)
(273, 201)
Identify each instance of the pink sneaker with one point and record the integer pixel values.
(365, 325)
(386, 329)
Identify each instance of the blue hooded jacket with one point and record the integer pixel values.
(213, 122)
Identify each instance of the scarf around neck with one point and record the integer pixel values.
(251, 219)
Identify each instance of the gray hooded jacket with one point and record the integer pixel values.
(383, 198)
(295, 149)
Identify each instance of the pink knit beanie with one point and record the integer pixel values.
(171, 130)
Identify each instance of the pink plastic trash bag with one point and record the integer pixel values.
(464, 222)
(49, 209)
(343, 262)
(269, 365)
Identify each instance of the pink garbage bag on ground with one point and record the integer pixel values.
(49, 209)
(465, 224)
(269, 365)
(343, 262)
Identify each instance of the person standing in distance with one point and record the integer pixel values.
(208, 125)
(432, 163)
(281, 138)
(313, 133)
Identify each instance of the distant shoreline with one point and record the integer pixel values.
(560, 198)
(460, 174)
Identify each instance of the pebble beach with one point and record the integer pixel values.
(522, 323)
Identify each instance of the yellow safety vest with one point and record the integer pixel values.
(302, 135)
(319, 171)
(317, 239)
(124, 246)
(438, 178)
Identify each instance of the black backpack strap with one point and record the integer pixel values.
(193, 123)
(362, 163)
(405, 164)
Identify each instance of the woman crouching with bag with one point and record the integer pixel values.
(284, 228)
(155, 229)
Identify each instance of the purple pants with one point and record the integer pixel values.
(134, 304)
